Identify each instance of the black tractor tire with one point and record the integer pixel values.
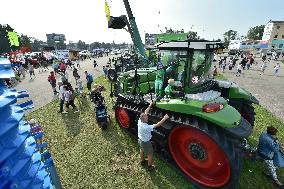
(248, 113)
(112, 75)
(227, 147)
(246, 110)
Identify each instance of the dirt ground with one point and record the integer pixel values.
(40, 90)
(267, 88)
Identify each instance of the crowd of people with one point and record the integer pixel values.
(244, 62)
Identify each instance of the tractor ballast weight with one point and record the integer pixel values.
(209, 119)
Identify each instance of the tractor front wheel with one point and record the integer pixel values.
(207, 156)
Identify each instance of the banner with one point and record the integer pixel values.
(13, 37)
(107, 9)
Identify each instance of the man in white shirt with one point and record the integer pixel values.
(144, 135)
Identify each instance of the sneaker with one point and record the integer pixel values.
(64, 112)
(76, 111)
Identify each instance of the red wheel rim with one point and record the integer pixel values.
(122, 118)
(199, 156)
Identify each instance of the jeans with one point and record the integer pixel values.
(61, 105)
(271, 168)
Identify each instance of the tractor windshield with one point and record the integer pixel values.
(174, 62)
(201, 64)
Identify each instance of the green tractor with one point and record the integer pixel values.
(209, 119)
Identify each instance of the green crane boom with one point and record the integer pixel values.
(134, 32)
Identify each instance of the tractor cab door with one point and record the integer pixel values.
(174, 64)
(199, 68)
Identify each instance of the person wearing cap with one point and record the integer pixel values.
(271, 152)
(159, 79)
(145, 136)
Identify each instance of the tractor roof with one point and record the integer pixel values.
(184, 45)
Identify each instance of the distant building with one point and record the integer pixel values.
(278, 45)
(274, 30)
(244, 44)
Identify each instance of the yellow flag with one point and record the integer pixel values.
(13, 37)
(107, 9)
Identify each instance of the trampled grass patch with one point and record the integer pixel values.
(87, 157)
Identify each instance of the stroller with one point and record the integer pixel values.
(102, 117)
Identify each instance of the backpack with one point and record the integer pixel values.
(91, 78)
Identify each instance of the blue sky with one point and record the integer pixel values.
(85, 19)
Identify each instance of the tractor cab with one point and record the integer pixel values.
(188, 63)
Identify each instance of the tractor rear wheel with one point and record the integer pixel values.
(206, 155)
(247, 112)
(123, 118)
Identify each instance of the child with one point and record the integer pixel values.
(69, 97)
(105, 71)
(263, 67)
(215, 71)
(31, 70)
(231, 64)
(52, 80)
(239, 70)
(168, 89)
(223, 66)
(79, 85)
(276, 68)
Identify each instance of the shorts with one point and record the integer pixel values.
(146, 147)
(89, 85)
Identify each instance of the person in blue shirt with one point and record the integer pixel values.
(271, 152)
(89, 79)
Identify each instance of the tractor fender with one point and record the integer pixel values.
(236, 92)
(227, 118)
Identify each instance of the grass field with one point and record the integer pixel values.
(87, 157)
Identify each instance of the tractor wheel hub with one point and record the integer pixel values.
(197, 151)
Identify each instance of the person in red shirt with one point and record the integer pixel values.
(62, 67)
(52, 80)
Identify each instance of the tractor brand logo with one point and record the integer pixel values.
(194, 79)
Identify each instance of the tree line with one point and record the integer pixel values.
(254, 33)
